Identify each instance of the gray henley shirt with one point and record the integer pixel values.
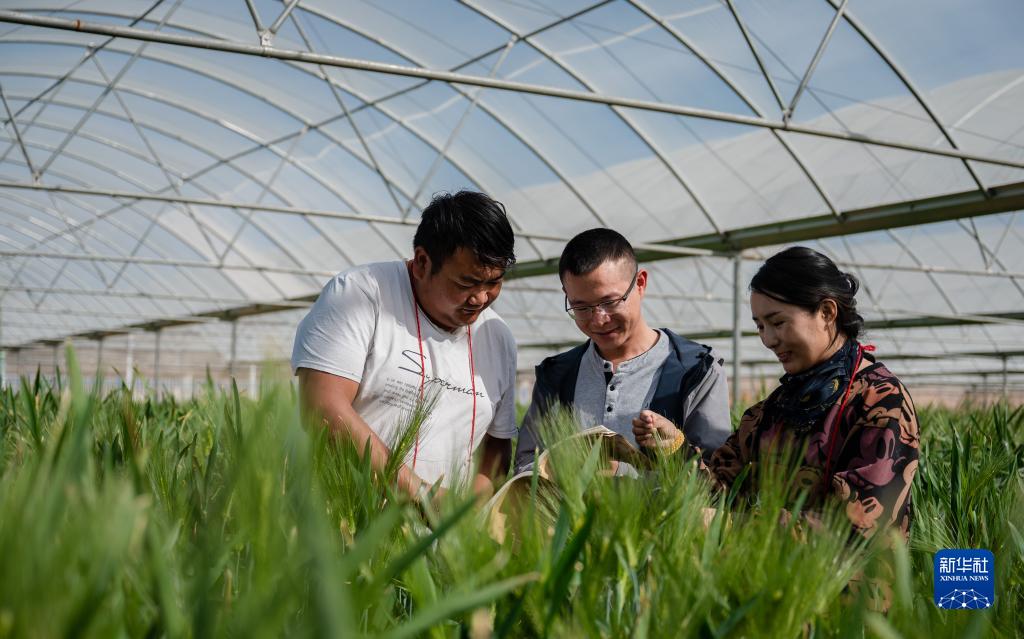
(630, 390)
(617, 401)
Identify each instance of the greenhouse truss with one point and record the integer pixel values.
(180, 176)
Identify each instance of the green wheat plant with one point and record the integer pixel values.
(122, 514)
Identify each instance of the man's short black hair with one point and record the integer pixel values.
(467, 220)
(591, 249)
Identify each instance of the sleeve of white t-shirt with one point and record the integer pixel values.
(336, 336)
(503, 426)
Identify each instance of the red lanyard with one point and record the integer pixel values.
(827, 477)
(423, 374)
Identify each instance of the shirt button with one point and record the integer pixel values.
(612, 387)
(609, 409)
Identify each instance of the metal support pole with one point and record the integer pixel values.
(234, 348)
(667, 249)
(1007, 198)
(442, 153)
(253, 389)
(757, 56)
(129, 362)
(737, 265)
(255, 16)
(56, 361)
(156, 261)
(181, 393)
(788, 113)
(281, 18)
(156, 363)
(101, 374)
(1006, 381)
(3, 353)
(17, 136)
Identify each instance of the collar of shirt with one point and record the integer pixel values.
(601, 365)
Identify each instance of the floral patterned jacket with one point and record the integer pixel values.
(874, 458)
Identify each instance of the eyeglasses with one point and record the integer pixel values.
(606, 308)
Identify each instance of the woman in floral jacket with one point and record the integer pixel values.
(850, 415)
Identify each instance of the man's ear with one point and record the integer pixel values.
(641, 280)
(421, 264)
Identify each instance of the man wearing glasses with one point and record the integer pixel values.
(627, 376)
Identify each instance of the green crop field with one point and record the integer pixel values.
(225, 516)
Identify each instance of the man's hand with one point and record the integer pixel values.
(613, 467)
(483, 488)
(328, 399)
(654, 430)
(495, 459)
(428, 498)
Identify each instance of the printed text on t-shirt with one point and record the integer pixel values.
(417, 370)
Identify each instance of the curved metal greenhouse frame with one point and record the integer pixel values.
(187, 168)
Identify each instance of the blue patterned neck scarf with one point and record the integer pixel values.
(803, 399)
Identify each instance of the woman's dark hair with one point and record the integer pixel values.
(591, 249)
(468, 220)
(806, 278)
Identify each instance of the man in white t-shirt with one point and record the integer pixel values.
(382, 336)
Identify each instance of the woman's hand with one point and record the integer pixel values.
(708, 516)
(653, 430)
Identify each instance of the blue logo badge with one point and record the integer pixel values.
(964, 579)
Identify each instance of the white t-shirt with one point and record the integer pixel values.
(363, 328)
